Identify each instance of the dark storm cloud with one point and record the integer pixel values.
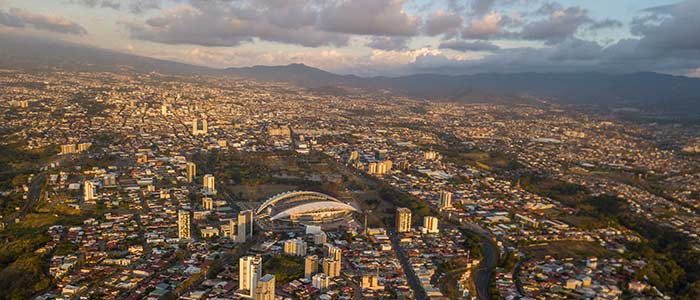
(670, 28)
(468, 46)
(20, 18)
(388, 43)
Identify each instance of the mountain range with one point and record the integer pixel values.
(645, 89)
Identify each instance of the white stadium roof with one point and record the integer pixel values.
(314, 207)
(295, 194)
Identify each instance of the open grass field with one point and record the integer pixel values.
(567, 249)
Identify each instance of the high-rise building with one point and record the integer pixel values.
(320, 281)
(249, 272)
(265, 289)
(332, 251)
(244, 226)
(183, 224)
(232, 227)
(296, 247)
(353, 156)
(197, 129)
(191, 171)
(82, 147)
(88, 191)
(331, 267)
(320, 238)
(403, 219)
(379, 168)
(109, 180)
(208, 203)
(431, 155)
(209, 183)
(445, 200)
(380, 154)
(68, 149)
(310, 266)
(430, 224)
(369, 281)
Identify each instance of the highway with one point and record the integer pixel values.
(490, 253)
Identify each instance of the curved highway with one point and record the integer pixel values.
(490, 254)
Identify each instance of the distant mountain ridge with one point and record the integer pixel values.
(645, 88)
(638, 89)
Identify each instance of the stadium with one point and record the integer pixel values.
(294, 209)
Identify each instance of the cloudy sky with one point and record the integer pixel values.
(382, 37)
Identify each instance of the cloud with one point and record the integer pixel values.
(11, 20)
(20, 18)
(481, 7)
(670, 28)
(388, 43)
(302, 22)
(468, 46)
(113, 4)
(442, 22)
(560, 24)
(488, 26)
(141, 6)
(369, 17)
(216, 23)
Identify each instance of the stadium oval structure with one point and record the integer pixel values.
(303, 207)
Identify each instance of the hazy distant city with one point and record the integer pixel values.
(125, 175)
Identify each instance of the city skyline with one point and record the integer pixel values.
(388, 37)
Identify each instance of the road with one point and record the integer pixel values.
(33, 195)
(489, 250)
(413, 282)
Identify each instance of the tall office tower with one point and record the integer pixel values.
(208, 203)
(244, 227)
(332, 251)
(354, 155)
(430, 224)
(197, 129)
(403, 219)
(191, 171)
(249, 271)
(164, 109)
(183, 224)
(88, 191)
(296, 247)
(265, 289)
(369, 281)
(320, 281)
(310, 266)
(445, 200)
(109, 180)
(380, 154)
(372, 168)
(209, 183)
(331, 267)
(431, 155)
